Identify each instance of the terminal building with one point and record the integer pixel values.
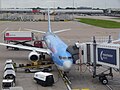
(113, 12)
(30, 10)
(38, 14)
(68, 11)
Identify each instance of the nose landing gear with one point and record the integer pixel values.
(103, 80)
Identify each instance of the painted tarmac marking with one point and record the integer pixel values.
(20, 29)
(4, 30)
(85, 89)
(109, 87)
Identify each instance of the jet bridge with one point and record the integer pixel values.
(74, 51)
(105, 54)
(84, 52)
(95, 54)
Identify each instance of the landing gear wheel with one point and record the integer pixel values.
(7, 47)
(40, 57)
(43, 56)
(37, 82)
(27, 70)
(104, 81)
(16, 49)
(100, 78)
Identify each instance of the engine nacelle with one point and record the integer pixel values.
(33, 56)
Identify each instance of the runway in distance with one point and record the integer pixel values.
(56, 48)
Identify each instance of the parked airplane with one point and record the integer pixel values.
(56, 49)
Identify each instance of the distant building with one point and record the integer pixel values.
(16, 10)
(114, 10)
(66, 11)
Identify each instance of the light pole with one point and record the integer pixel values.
(73, 4)
(73, 10)
(105, 4)
(0, 7)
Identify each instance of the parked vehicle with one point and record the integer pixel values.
(7, 83)
(8, 67)
(44, 78)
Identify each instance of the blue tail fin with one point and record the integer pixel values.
(49, 25)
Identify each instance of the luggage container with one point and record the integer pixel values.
(7, 83)
(44, 78)
(9, 74)
(18, 36)
(9, 67)
(9, 61)
(24, 38)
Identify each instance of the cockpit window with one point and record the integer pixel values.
(65, 57)
(69, 57)
(60, 57)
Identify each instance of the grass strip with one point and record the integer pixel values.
(100, 23)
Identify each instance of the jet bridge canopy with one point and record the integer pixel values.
(74, 51)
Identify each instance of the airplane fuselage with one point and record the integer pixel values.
(60, 56)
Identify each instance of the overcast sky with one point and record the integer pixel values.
(60, 3)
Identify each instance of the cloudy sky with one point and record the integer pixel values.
(59, 3)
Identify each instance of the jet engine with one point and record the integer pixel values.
(33, 56)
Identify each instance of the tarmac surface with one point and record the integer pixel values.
(79, 32)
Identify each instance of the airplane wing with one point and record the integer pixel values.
(45, 32)
(116, 41)
(34, 30)
(61, 30)
(28, 48)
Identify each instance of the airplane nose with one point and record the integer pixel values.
(67, 65)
